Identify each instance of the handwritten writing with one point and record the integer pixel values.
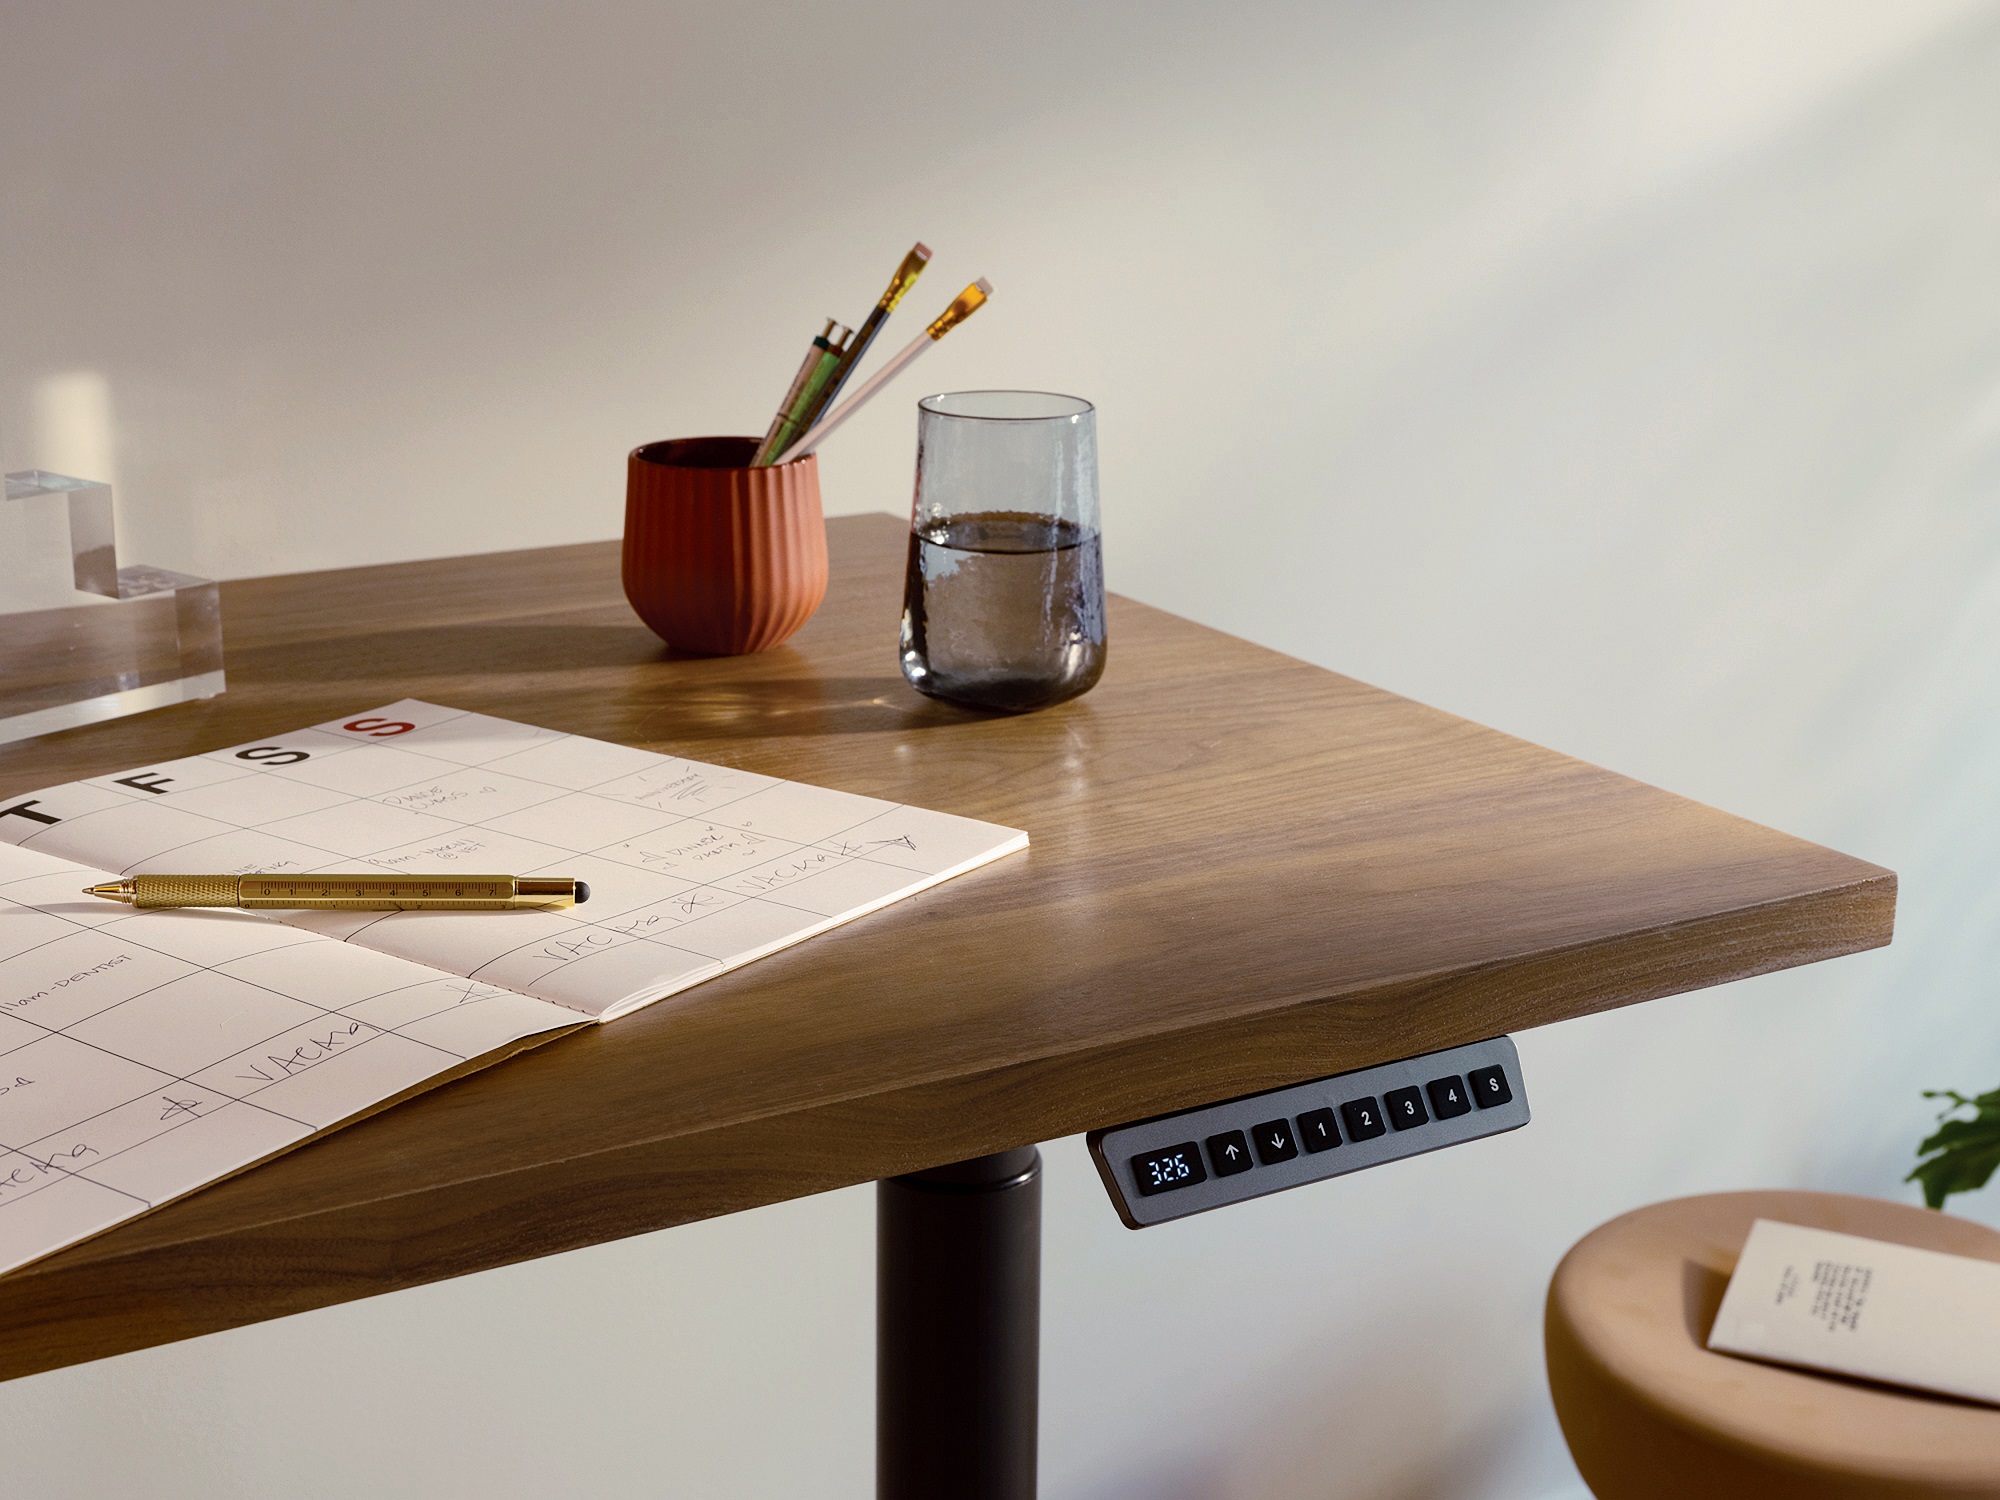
(57, 1160)
(19, 1181)
(785, 874)
(565, 949)
(712, 843)
(110, 963)
(450, 849)
(13, 1183)
(689, 786)
(634, 926)
(855, 851)
(433, 796)
(310, 1053)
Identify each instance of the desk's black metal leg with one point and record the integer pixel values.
(958, 1308)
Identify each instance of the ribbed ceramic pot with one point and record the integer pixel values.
(720, 558)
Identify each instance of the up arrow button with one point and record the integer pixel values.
(1229, 1153)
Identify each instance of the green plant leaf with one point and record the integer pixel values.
(1961, 1155)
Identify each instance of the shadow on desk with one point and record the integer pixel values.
(800, 706)
(772, 693)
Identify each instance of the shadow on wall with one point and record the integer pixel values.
(1737, 459)
(1411, 1407)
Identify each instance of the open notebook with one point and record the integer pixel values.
(146, 1054)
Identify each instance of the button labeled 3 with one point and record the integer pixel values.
(1406, 1108)
(1174, 1165)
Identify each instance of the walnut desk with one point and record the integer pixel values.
(1246, 872)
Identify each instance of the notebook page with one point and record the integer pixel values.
(146, 1054)
(694, 869)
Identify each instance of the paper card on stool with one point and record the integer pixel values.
(1866, 1308)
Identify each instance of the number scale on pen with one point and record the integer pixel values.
(335, 892)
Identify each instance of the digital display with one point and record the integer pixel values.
(1163, 1171)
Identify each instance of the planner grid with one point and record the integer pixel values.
(693, 868)
(145, 1055)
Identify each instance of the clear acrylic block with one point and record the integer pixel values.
(82, 639)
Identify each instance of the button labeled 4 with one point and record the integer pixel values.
(1448, 1097)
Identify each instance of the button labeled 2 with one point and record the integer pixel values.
(1364, 1119)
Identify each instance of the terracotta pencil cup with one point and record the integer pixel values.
(722, 559)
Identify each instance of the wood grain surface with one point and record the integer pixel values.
(1245, 872)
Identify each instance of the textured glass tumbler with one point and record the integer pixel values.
(1003, 602)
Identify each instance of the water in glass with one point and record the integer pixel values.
(1003, 603)
(1004, 610)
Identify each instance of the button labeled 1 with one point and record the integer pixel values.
(1317, 1130)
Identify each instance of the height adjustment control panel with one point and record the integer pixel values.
(1176, 1165)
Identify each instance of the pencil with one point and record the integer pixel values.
(905, 278)
(816, 354)
(963, 306)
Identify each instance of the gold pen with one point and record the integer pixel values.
(345, 892)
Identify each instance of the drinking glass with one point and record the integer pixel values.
(1003, 600)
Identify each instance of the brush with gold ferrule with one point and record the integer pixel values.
(963, 306)
(905, 278)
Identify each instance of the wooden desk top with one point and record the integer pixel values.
(1246, 872)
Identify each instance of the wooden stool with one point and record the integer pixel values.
(1651, 1414)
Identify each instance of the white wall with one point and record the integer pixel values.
(1623, 373)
